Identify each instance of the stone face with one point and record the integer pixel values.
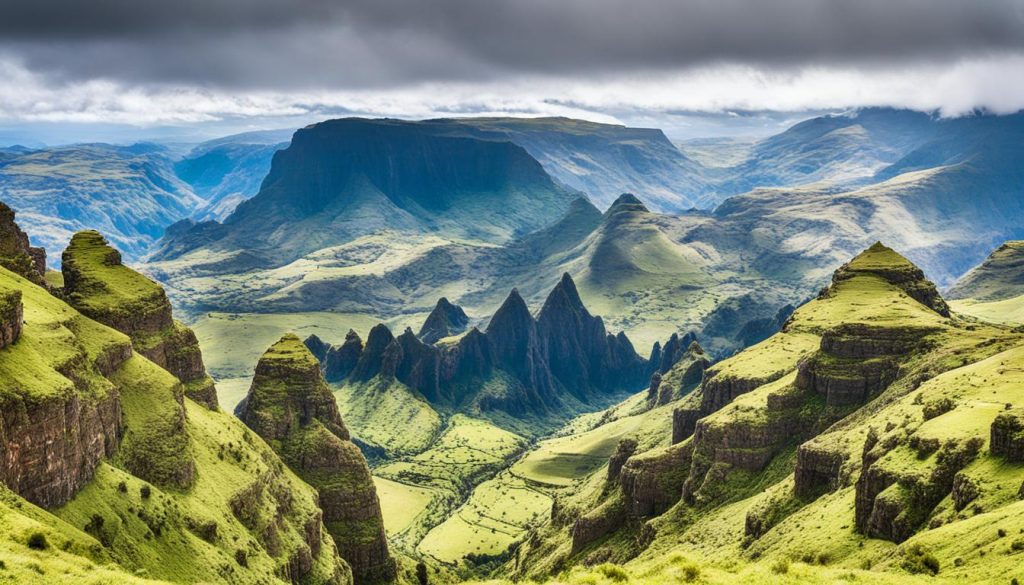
(16, 254)
(1007, 435)
(293, 409)
(818, 470)
(623, 452)
(11, 317)
(652, 482)
(445, 320)
(102, 288)
(51, 450)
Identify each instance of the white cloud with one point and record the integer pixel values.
(991, 82)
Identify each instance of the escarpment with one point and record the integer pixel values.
(652, 482)
(16, 254)
(520, 365)
(681, 378)
(883, 262)
(101, 287)
(1007, 435)
(291, 407)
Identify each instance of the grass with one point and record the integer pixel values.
(1006, 311)
(400, 503)
(389, 415)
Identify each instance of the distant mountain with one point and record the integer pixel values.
(1000, 276)
(603, 160)
(130, 193)
(343, 179)
(229, 170)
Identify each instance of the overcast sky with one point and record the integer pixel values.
(696, 67)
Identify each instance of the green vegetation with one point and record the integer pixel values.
(385, 413)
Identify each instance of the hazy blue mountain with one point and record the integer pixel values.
(229, 170)
(130, 193)
(603, 160)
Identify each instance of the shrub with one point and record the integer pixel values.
(1001, 532)
(1018, 544)
(145, 491)
(613, 572)
(242, 558)
(37, 541)
(938, 407)
(122, 487)
(918, 560)
(780, 567)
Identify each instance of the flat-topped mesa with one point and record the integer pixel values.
(101, 287)
(16, 254)
(291, 407)
(884, 262)
(445, 320)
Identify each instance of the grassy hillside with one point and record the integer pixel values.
(789, 478)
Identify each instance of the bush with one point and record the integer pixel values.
(918, 560)
(780, 567)
(242, 558)
(613, 572)
(145, 491)
(938, 407)
(1018, 544)
(122, 487)
(37, 541)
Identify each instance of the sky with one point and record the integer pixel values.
(190, 69)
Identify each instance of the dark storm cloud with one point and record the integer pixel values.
(372, 43)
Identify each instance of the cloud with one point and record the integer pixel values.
(270, 44)
(148, 62)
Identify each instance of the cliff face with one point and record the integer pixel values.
(16, 254)
(444, 321)
(101, 287)
(291, 407)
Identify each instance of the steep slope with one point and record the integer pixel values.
(342, 179)
(603, 160)
(290, 406)
(129, 193)
(100, 286)
(855, 437)
(444, 321)
(16, 254)
(130, 476)
(998, 277)
(229, 170)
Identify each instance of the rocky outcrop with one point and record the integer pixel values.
(882, 261)
(51, 449)
(683, 376)
(623, 451)
(292, 408)
(11, 316)
(16, 254)
(563, 356)
(444, 321)
(818, 470)
(652, 482)
(102, 288)
(596, 524)
(1007, 435)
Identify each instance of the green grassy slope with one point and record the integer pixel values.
(744, 521)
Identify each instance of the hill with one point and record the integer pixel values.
(130, 193)
(868, 438)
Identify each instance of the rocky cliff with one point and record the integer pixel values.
(547, 365)
(291, 407)
(100, 286)
(16, 254)
(443, 321)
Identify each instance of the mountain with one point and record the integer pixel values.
(444, 321)
(130, 193)
(111, 473)
(530, 369)
(342, 179)
(229, 170)
(993, 290)
(290, 406)
(998, 277)
(848, 439)
(102, 288)
(603, 160)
